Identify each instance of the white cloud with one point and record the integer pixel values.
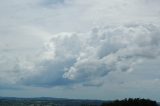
(70, 58)
(123, 47)
(75, 57)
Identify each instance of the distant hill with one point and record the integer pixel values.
(47, 101)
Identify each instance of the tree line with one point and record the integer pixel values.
(131, 102)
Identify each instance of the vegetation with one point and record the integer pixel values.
(131, 102)
(73, 102)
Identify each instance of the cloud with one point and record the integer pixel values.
(75, 56)
(85, 58)
(115, 48)
(52, 3)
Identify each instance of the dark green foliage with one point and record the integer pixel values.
(131, 102)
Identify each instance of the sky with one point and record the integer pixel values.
(80, 49)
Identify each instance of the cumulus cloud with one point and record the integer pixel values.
(85, 58)
(114, 48)
(75, 57)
